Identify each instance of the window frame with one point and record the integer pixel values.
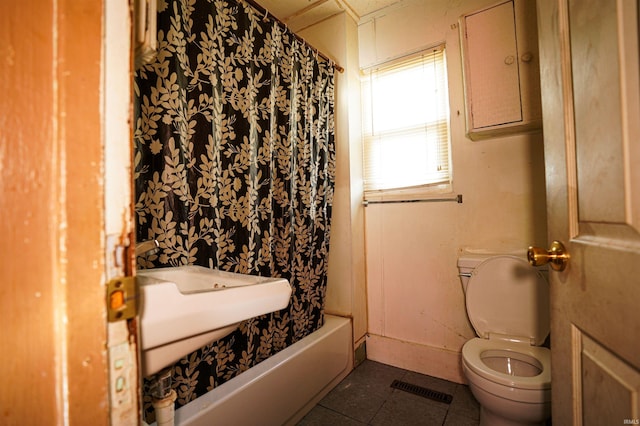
(418, 191)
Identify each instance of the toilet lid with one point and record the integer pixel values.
(506, 296)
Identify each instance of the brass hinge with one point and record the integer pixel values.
(122, 301)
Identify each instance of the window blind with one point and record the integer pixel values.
(406, 122)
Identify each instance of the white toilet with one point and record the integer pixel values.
(509, 373)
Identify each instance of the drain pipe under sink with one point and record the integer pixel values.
(163, 398)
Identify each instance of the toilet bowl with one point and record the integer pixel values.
(509, 373)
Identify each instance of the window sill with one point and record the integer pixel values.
(423, 193)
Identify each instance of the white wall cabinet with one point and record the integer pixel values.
(501, 69)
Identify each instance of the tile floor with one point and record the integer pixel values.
(365, 397)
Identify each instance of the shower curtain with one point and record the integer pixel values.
(234, 169)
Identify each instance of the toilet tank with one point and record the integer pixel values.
(467, 262)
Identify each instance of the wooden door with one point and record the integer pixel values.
(53, 361)
(65, 174)
(591, 120)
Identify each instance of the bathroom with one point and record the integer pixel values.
(393, 266)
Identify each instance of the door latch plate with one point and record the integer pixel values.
(122, 303)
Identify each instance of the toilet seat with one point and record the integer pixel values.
(506, 296)
(473, 350)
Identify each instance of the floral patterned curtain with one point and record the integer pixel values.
(234, 169)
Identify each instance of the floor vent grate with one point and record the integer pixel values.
(423, 392)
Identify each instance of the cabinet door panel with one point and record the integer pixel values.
(492, 61)
(529, 62)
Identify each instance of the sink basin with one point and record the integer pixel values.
(186, 307)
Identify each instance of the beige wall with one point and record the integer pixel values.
(338, 38)
(417, 318)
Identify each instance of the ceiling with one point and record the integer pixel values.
(299, 14)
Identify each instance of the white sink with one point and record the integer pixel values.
(186, 307)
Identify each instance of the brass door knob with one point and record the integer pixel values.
(556, 256)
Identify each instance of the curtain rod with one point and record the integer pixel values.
(266, 14)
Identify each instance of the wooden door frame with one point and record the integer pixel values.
(52, 186)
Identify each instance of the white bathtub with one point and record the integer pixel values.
(282, 389)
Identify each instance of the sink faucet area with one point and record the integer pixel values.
(187, 307)
(145, 248)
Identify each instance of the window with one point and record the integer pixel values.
(406, 124)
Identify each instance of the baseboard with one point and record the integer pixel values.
(429, 360)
